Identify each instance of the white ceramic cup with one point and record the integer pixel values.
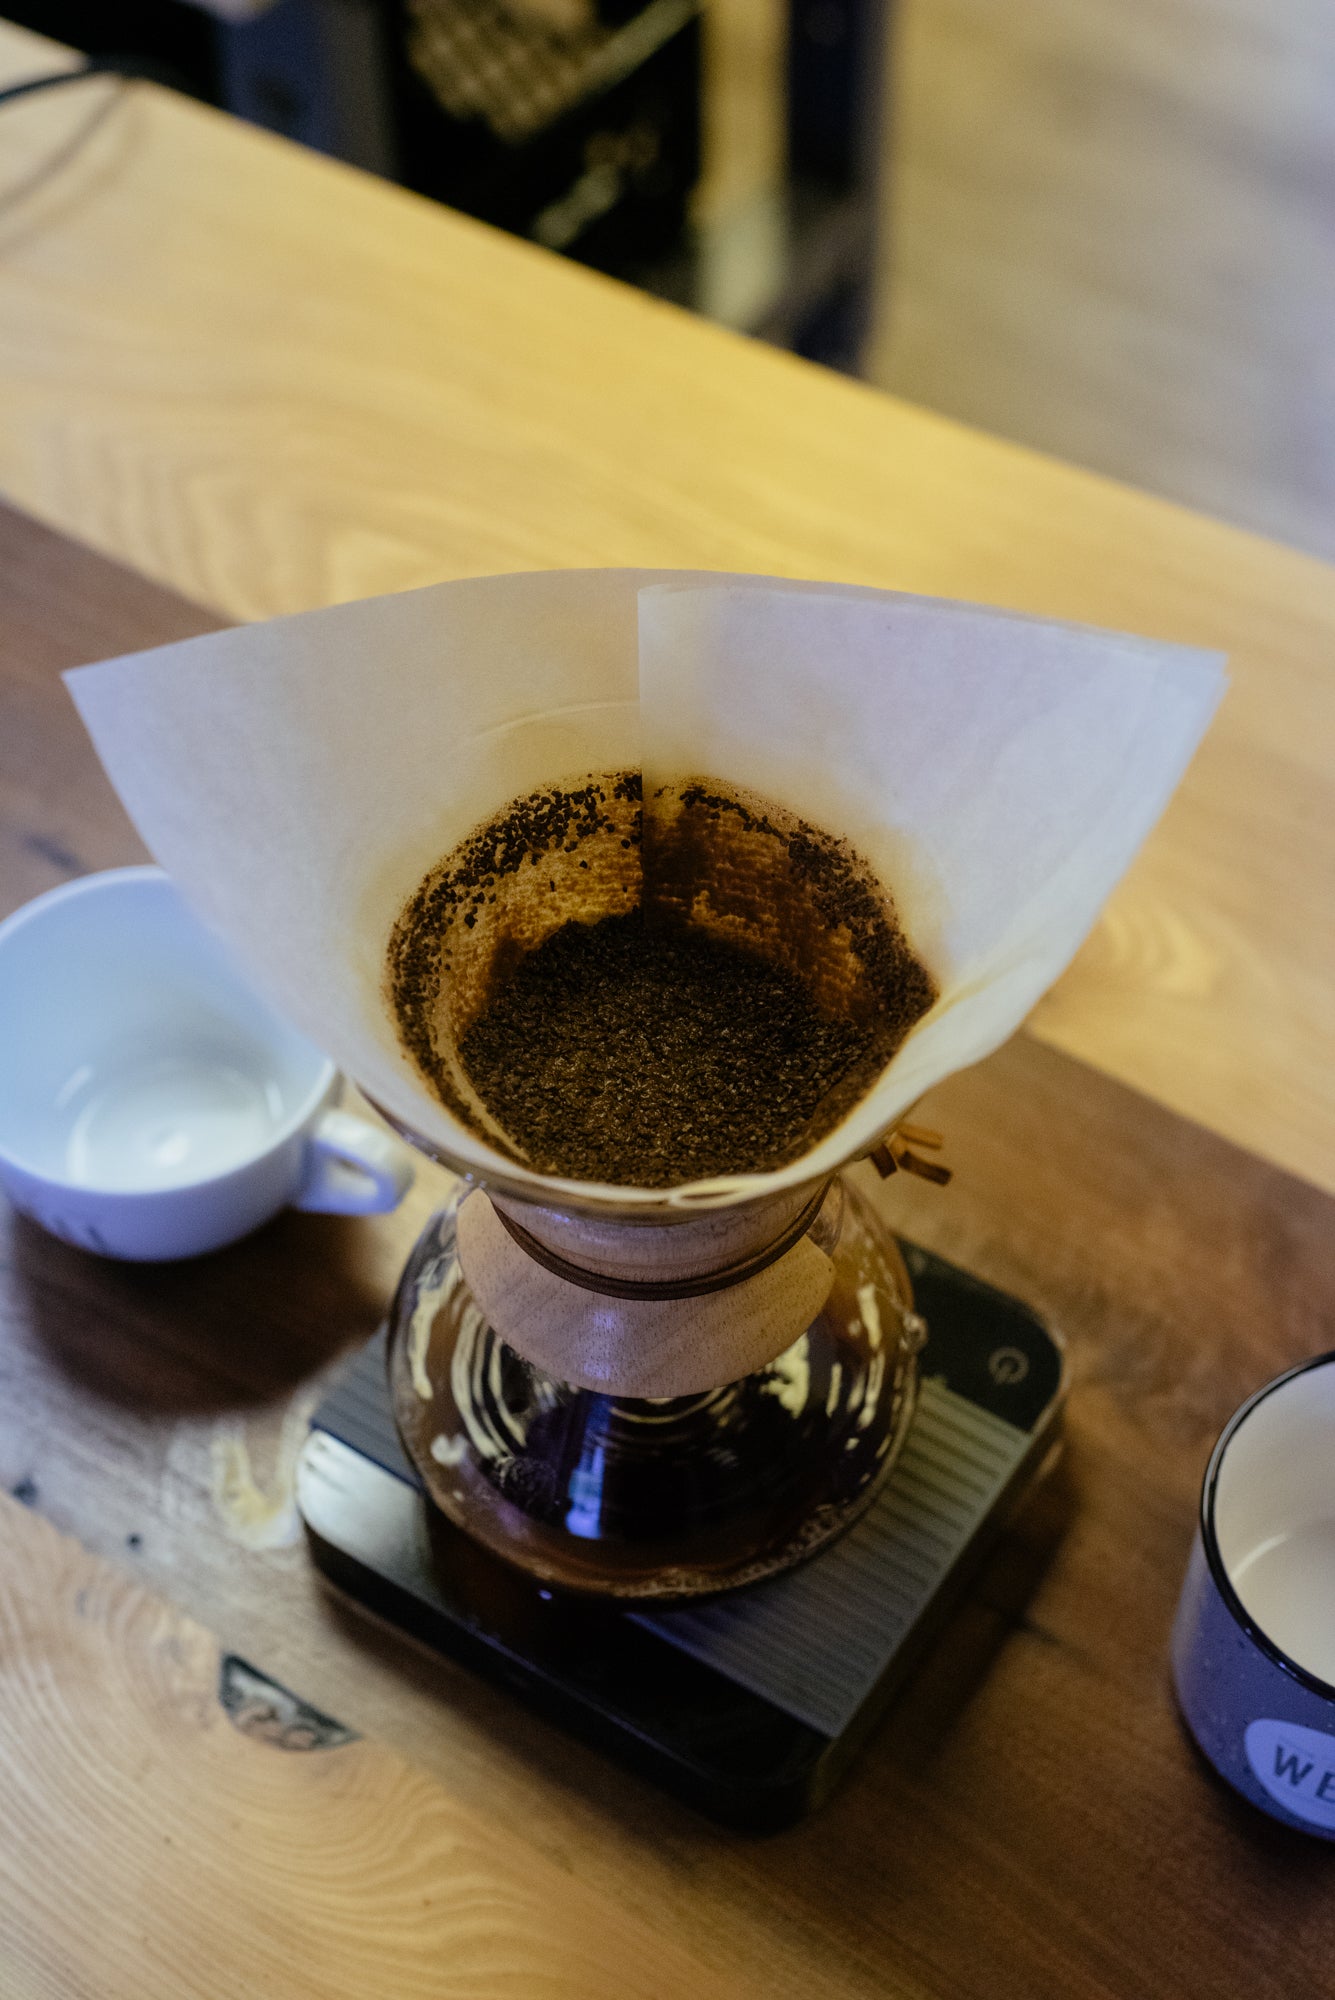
(152, 1106)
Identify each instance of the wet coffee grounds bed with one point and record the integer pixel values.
(649, 1056)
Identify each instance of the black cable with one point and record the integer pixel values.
(126, 66)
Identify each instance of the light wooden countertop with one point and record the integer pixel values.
(272, 382)
(158, 1845)
(1030, 1823)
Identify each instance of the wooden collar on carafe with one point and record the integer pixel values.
(695, 1286)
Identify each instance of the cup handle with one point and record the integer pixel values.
(352, 1169)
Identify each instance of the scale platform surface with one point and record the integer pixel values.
(747, 1705)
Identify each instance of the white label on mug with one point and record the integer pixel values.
(1296, 1766)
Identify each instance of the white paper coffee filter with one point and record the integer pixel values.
(299, 778)
(998, 773)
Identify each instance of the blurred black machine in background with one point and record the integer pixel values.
(574, 123)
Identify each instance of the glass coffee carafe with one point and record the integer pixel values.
(641, 1497)
(634, 1372)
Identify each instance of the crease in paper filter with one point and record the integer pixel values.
(299, 778)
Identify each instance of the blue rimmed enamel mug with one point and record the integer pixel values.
(1254, 1640)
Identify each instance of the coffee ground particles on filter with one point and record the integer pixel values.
(624, 1052)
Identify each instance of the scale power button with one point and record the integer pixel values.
(1007, 1365)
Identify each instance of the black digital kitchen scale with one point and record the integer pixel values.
(750, 1704)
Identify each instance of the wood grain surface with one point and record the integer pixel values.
(1030, 1824)
(271, 382)
(157, 1844)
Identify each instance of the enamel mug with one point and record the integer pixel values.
(1254, 1640)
